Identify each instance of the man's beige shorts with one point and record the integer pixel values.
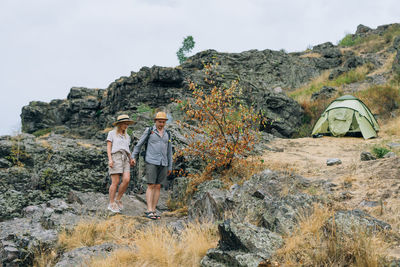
(121, 163)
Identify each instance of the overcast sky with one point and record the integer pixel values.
(49, 46)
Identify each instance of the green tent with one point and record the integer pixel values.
(347, 114)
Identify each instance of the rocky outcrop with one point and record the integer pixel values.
(259, 200)
(42, 169)
(263, 209)
(79, 112)
(253, 218)
(396, 62)
(21, 238)
(79, 255)
(86, 112)
(326, 92)
(242, 244)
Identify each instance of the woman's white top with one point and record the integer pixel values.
(119, 142)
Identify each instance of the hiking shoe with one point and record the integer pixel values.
(119, 204)
(113, 207)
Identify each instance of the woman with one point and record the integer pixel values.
(119, 161)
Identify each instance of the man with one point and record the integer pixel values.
(158, 160)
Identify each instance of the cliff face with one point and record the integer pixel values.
(87, 111)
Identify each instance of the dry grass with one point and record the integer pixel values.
(44, 258)
(381, 99)
(387, 66)
(89, 233)
(86, 145)
(391, 127)
(46, 144)
(159, 246)
(303, 93)
(242, 170)
(179, 212)
(311, 245)
(282, 166)
(311, 55)
(154, 245)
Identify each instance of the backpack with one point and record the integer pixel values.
(146, 142)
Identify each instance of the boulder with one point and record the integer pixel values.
(353, 62)
(78, 256)
(389, 155)
(365, 156)
(210, 207)
(396, 63)
(362, 29)
(345, 222)
(326, 92)
(333, 161)
(396, 43)
(337, 72)
(242, 244)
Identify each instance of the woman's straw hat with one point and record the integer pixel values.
(123, 118)
(161, 116)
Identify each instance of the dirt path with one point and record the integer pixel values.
(372, 186)
(359, 184)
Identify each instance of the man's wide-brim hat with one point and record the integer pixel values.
(123, 118)
(161, 116)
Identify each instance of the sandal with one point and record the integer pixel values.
(150, 215)
(156, 215)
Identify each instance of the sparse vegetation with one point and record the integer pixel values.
(381, 99)
(349, 40)
(391, 127)
(312, 245)
(227, 126)
(142, 108)
(42, 132)
(154, 245)
(45, 257)
(379, 151)
(355, 75)
(18, 154)
(372, 42)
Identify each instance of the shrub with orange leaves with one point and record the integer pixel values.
(226, 127)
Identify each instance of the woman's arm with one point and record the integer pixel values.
(110, 161)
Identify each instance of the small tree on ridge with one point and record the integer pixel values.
(226, 128)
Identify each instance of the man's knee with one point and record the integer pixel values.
(151, 186)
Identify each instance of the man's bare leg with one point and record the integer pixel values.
(156, 196)
(150, 196)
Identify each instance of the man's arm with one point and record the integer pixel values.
(136, 149)
(169, 154)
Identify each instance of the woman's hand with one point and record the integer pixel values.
(133, 162)
(110, 163)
